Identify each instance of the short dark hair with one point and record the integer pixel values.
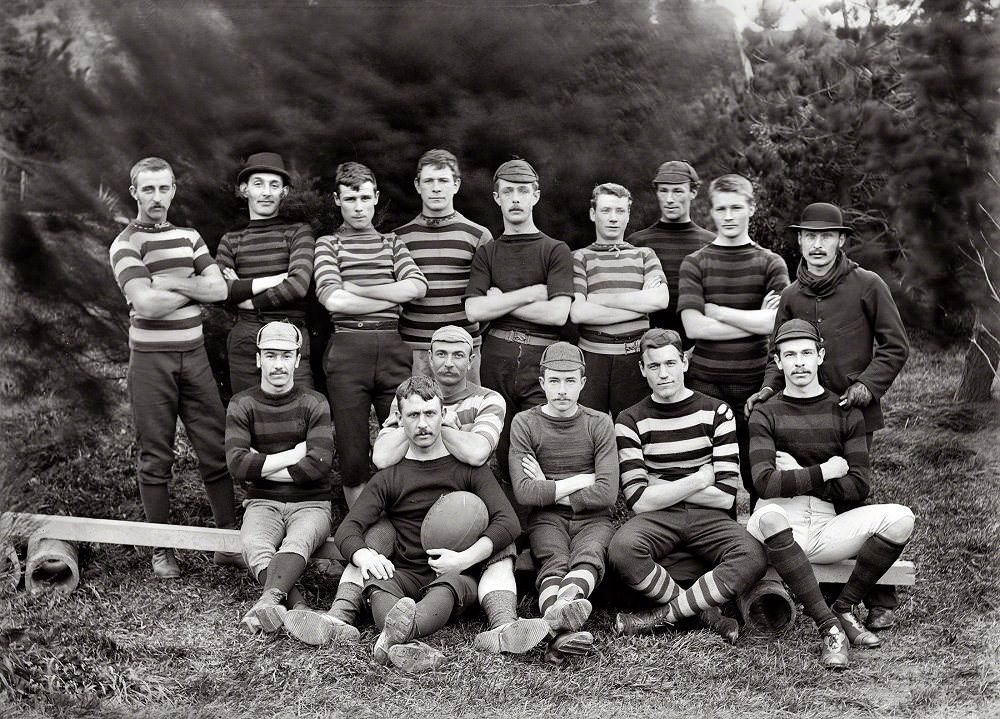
(439, 158)
(150, 164)
(732, 183)
(657, 337)
(423, 387)
(609, 188)
(353, 175)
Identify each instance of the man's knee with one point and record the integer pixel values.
(625, 547)
(767, 521)
(899, 524)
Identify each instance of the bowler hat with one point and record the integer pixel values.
(821, 216)
(264, 162)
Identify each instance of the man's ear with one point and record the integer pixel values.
(258, 360)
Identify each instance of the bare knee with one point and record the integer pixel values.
(770, 523)
(900, 527)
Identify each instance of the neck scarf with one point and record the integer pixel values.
(822, 286)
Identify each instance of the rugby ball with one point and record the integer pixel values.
(454, 522)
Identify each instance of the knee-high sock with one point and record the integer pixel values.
(220, 499)
(155, 502)
(500, 606)
(381, 602)
(434, 610)
(706, 592)
(876, 556)
(548, 591)
(580, 582)
(792, 565)
(349, 601)
(658, 586)
(283, 571)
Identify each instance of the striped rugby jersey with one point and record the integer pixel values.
(660, 443)
(737, 277)
(479, 410)
(444, 254)
(603, 268)
(366, 258)
(143, 251)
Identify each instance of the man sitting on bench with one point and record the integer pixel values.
(808, 455)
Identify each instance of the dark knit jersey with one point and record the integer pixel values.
(270, 247)
(407, 490)
(366, 258)
(672, 242)
(512, 262)
(444, 253)
(812, 430)
(602, 268)
(737, 277)
(145, 251)
(270, 424)
(660, 442)
(563, 447)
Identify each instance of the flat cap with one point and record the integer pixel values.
(796, 330)
(516, 170)
(451, 333)
(562, 357)
(675, 172)
(279, 336)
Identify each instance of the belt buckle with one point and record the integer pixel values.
(361, 325)
(632, 346)
(519, 336)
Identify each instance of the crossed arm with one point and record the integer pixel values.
(160, 295)
(611, 308)
(719, 322)
(529, 303)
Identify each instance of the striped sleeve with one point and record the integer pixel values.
(241, 289)
(126, 263)
(201, 257)
(300, 270)
(725, 450)
(403, 266)
(580, 272)
(777, 273)
(631, 463)
(690, 291)
(489, 418)
(245, 466)
(854, 487)
(326, 268)
(652, 271)
(770, 481)
(315, 466)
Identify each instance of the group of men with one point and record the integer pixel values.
(699, 367)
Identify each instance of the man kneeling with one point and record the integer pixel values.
(439, 578)
(808, 455)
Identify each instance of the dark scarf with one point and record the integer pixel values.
(825, 285)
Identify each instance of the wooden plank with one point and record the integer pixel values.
(143, 534)
(902, 573)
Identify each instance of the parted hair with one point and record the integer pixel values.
(354, 174)
(149, 164)
(609, 188)
(657, 337)
(423, 387)
(438, 158)
(732, 183)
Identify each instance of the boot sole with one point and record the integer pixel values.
(573, 643)
(568, 617)
(311, 628)
(517, 637)
(398, 628)
(415, 657)
(271, 618)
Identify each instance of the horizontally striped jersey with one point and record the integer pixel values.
(660, 443)
(737, 277)
(812, 430)
(478, 410)
(366, 258)
(270, 247)
(603, 268)
(143, 251)
(444, 254)
(270, 424)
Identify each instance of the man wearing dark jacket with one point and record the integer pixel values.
(853, 306)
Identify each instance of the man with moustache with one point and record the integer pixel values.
(616, 286)
(279, 443)
(268, 266)
(165, 273)
(442, 242)
(853, 305)
(674, 236)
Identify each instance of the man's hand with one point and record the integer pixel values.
(762, 396)
(531, 468)
(711, 310)
(372, 564)
(857, 395)
(162, 282)
(705, 476)
(445, 561)
(771, 300)
(494, 292)
(450, 419)
(230, 274)
(245, 305)
(834, 468)
(786, 462)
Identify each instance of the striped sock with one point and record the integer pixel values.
(580, 582)
(876, 556)
(707, 592)
(658, 586)
(548, 590)
(792, 565)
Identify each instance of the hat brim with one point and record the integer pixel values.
(247, 171)
(796, 336)
(672, 178)
(562, 365)
(819, 225)
(279, 345)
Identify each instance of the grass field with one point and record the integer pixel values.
(125, 645)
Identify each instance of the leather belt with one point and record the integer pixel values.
(629, 343)
(362, 325)
(520, 337)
